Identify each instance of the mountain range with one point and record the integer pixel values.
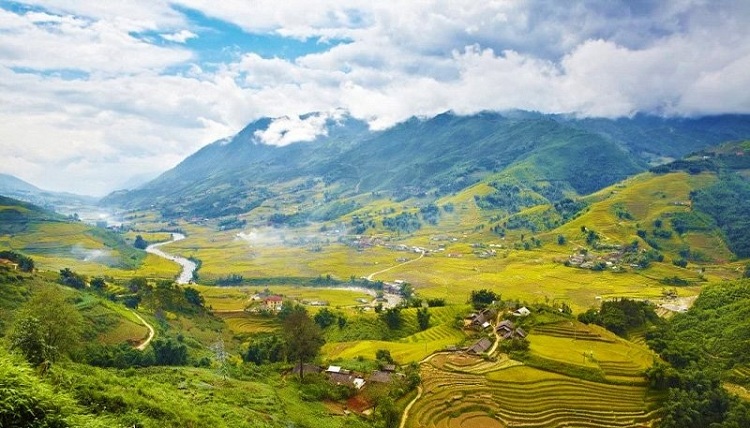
(550, 156)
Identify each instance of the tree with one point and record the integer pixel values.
(98, 284)
(72, 279)
(324, 318)
(561, 240)
(303, 337)
(423, 318)
(483, 298)
(392, 317)
(48, 326)
(194, 297)
(140, 243)
(169, 352)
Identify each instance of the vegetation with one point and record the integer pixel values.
(704, 347)
(303, 337)
(621, 316)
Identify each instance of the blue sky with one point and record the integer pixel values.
(95, 93)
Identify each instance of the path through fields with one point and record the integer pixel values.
(151, 332)
(372, 275)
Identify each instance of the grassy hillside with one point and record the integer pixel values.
(56, 242)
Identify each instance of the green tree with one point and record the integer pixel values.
(482, 298)
(169, 352)
(324, 318)
(98, 284)
(194, 297)
(303, 337)
(47, 327)
(72, 279)
(392, 318)
(140, 243)
(423, 318)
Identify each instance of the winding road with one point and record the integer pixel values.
(151, 332)
(372, 275)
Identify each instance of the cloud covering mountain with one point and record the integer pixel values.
(92, 93)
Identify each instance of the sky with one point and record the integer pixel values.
(94, 94)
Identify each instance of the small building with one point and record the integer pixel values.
(480, 347)
(380, 376)
(505, 328)
(8, 264)
(389, 368)
(522, 312)
(306, 368)
(273, 303)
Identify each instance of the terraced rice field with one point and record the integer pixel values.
(522, 396)
(244, 323)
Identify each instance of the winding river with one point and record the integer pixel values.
(188, 266)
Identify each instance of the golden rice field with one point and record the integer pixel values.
(464, 391)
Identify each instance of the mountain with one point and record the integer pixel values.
(14, 187)
(548, 156)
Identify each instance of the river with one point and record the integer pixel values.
(188, 266)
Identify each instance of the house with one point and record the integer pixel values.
(339, 376)
(480, 347)
(520, 333)
(306, 368)
(389, 368)
(505, 329)
(380, 376)
(8, 264)
(273, 303)
(481, 319)
(522, 312)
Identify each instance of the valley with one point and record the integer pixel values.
(531, 290)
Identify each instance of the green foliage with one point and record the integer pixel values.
(303, 337)
(26, 264)
(402, 223)
(384, 355)
(392, 318)
(516, 344)
(25, 401)
(324, 318)
(423, 318)
(72, 279)
(621, 315)
(265, 348)
(47, 327)
(482, 298)
(728, 202)
(194, 297)
(140, 243)
(98, 284)
(169, 352)
(120, 356)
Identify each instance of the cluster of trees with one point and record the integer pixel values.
(621, 315)
(480, 299)
(701, 347)
(402, 223)
(728, 202)
(25, 263)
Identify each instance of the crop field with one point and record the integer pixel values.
(237, 298)
(522, 396)
(596, 348)
(244, 323)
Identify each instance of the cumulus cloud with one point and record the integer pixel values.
(286, 130)
(90, 93)
(179, 37)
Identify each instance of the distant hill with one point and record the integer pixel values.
(54, 240)
(546, 157)
(14, 187)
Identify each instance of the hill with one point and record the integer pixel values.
(57, 241)
(422, 157)
(14, 187)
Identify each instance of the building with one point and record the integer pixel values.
(480, 347)
(273, 303)
(522, 312)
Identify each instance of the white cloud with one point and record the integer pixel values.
(90, 94)
(179, 37)
(286, 130)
